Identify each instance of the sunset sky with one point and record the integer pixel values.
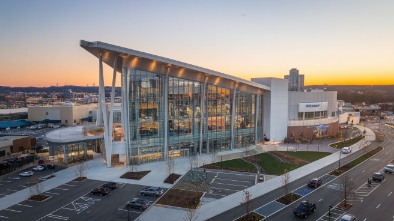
(329, 41)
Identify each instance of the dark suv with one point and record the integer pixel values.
(111, 185)
(101, 191)
(304, 209)
(315, 182)
(151, 191)
(378, 177)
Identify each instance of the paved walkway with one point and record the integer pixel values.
(97, 170)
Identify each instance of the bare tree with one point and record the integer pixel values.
(247, 201)
(348, 188)
(286, 180)
(170, 164)
(80, 169)
(214, 154)
(134, 164)
(193, 161)
(191, 213)
(36, 187)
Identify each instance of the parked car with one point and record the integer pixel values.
(346, 150)
(378, 177)
(49, 166)
(347, 217)
(111, 185)
(38, 168)
(151, 191)
(26, 173)
(138, 203)
(315, 182)
(101, 191)
(304, 209)
(389, 168)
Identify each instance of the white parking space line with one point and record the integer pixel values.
(68, 184)
(58, 217)
(390, 193)
(17, 211)
(231, 184)
(4, 217)
(378, 206)
(53, 193)
(319, 200)
(23, 205)
(6, 181)
(236, 180)
(12, 190)
(23, 186)
(59, 188)
(238, 174)
(215, 194)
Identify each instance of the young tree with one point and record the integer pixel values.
(348, 188)
(170, 165)
(286, 180)
(191, 213)
(80, 169)
(214, 154)
(247, 201)
(36, 187)
(134, 163)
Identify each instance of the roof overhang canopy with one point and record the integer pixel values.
(128, 58)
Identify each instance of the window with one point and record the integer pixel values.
(75, 121)
(65, 121)
(46, 113)
(333, 114)
(300, 115)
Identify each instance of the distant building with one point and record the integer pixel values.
(14, 144)
(296, 80)
(67, 113)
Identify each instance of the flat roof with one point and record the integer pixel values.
(69, 135)
(144, 61)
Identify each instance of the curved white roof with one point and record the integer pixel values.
(69, 135)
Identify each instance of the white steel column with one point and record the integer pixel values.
(99, 119)
(125, 113)
(111, 111)
(233, 117)
(256, 118)
(202, 115)
(165, 94)
(105, 116)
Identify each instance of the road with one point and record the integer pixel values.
(329, 193)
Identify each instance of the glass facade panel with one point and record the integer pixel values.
(148, 94)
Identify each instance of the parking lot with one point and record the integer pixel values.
(11, 183)
(225, 183)
(73, 201)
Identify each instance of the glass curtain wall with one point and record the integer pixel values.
(217, 121)
(244, 119)
(183, 116)
(146, 113)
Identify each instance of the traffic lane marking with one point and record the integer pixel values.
(242, 181)
(17, 211)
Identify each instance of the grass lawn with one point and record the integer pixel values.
(236, 164)
(270, 165)
(346, 143)
(308, 155)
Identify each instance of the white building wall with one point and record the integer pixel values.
(275, 107)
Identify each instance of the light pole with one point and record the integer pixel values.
(339, 161)
(329, 212)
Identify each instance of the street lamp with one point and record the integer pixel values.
(329, 212)
(339, 161)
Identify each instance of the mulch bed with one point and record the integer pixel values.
(39, 197)
(288, 198)
(135, 175)
(181, 198)
(172, 178)
(251, 217)
(80, 179)
(344, 207)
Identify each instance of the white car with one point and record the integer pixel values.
(26, 173)
(389, 168)
(38, 168)
(346, 150)
(347, 217)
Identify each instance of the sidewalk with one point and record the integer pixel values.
(97, 170)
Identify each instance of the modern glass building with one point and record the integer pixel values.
(170, 108)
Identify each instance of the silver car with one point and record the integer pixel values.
(151, 191)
